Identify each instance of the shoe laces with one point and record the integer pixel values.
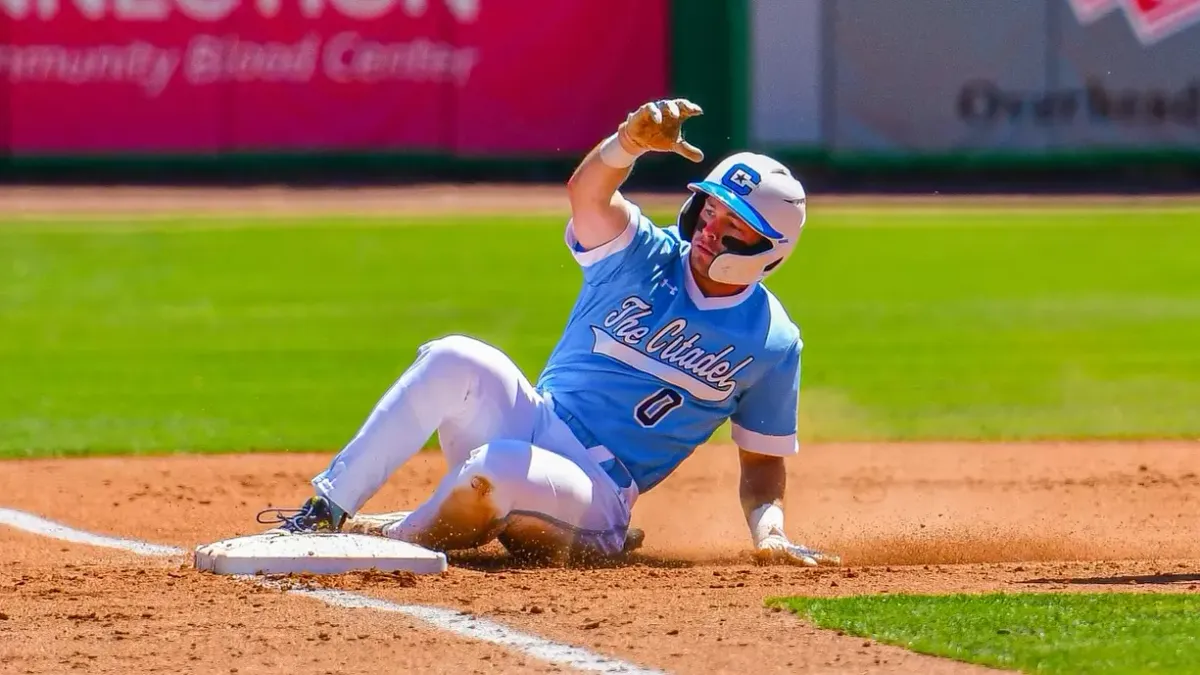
(292, 517)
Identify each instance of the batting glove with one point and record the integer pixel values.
(656, 126)
(775, 548)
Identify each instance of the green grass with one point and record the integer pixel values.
(217, 334)
(1072, 634)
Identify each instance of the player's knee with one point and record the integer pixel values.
(502, 468)
(475, 501)
(453, 356)
(453, 344)
(499, 470)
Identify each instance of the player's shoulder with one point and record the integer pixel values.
(633, 254)
(783, 331)
(667, 233)
(654, 244)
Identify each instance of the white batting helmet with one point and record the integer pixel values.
(762, 192)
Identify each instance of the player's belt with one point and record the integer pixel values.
(609, 462)
(581, 432)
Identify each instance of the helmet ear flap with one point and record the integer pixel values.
(689, 215)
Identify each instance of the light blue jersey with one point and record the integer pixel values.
(649, 367)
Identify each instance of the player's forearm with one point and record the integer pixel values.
(764, 481)
(602, 172)
(598, 210)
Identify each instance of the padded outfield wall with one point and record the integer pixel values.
(486, 90)
(1029, 86)
(276, 86)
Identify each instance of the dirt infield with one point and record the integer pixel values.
(920, 517)
(1119, 517)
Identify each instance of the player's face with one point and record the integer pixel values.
(716, 225)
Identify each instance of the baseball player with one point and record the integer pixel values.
(671, 335)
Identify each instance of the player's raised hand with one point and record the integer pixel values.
(776, 548)
(657, 126)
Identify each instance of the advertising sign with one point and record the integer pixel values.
(205, 76)
(926, 75)
(974, 75)
(1129, 78)
(785, 73)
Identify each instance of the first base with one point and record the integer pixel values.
(315, 553)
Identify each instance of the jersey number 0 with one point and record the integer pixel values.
(656, 406)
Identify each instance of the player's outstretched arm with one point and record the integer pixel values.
(764, 480)
(598, 210)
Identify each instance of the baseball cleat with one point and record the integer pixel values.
(315, 515)
(373, 523)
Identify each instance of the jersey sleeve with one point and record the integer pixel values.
(631, 254)
(765, 419)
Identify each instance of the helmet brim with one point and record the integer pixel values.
(741, 207)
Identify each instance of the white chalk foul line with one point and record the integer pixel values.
(48, 528)
(482, 629)
(445, 619)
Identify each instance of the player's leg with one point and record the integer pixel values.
(538, 503)
(466, 390)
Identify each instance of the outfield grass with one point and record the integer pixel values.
(224, 335)
(1071, 634)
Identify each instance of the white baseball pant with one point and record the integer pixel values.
(515, 470)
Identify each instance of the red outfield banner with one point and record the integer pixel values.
(472, 77)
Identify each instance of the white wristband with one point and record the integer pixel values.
(765, 521)
(615, 155)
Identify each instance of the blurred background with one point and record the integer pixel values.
(948, 95)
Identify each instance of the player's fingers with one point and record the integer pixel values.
(798, 557)
(827, 559)
(687, 108)
(654, 112)
(802, 560)
(689, 151)
(813, 558)
(643, 113)
(672, 109)
(782, 556)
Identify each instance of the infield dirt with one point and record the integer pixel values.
(925, 518)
